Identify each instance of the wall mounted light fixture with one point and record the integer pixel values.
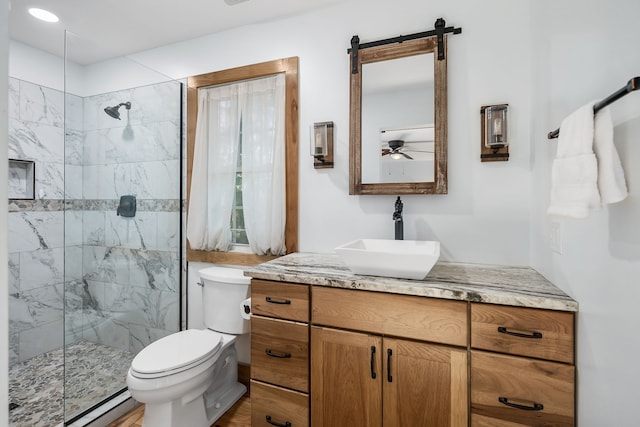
(494, 131)
(322, 144)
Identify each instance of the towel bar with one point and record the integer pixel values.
(633, 84)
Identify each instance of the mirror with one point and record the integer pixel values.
(398, 120)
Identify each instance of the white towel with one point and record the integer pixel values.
(574, 173)
(611, 181)
(580, 178)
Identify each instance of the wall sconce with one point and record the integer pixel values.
(322, 144)
(494, 130)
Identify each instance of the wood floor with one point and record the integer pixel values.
(238, 416)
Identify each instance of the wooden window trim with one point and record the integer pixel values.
(288, 66)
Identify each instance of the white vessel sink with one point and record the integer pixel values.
(404, 259)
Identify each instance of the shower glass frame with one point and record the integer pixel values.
(123, 275)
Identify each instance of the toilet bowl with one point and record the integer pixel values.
(190, 378)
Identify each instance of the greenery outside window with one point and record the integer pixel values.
(238, 233)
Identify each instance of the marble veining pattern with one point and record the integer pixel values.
(34, 141)
(14, 98)
(41, 104)
(505, 285)
(73, 218)
(84, 162)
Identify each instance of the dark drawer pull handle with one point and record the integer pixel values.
(504, 330)
(373, 362)
(389, 353)
(535, 407)
(278, 355)
(273, 423)
(277, 301)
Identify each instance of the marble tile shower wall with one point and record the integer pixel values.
(36, 231)
(122, 275)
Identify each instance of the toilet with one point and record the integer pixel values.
(190, 378)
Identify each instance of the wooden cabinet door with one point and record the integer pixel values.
(424, 385)
(346, 368)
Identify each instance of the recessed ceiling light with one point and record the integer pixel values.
(43, 15)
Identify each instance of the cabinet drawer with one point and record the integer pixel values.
(421, 318)
(499, 383)
(281, 300)
(482, 421)
(544, 334)
(279, 405)
(280, 352)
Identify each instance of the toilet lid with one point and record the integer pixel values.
(179, 350)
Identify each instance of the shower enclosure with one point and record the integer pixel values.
(95, 258)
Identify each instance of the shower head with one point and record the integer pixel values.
(113, 111)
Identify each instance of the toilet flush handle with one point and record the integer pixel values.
(201, 284)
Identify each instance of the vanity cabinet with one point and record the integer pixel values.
(522, 366)
(279, 354)
(372, 371)
(471, 345)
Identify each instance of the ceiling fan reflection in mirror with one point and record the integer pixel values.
(397, 149)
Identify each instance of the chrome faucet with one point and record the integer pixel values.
(397, 218)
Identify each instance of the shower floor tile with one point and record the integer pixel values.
(93, 373)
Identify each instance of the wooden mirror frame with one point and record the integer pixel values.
(384, 53)
(288, 66)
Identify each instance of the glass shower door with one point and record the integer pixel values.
(122, 221)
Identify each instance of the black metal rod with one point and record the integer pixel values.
(401, 38)
(632, 85)
(439, 32)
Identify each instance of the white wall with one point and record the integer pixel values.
(36, 66)
(487, 208)
(4, 291)
(586, 50)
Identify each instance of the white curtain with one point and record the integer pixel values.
(263, 163)
(214, 167)
(259, 104)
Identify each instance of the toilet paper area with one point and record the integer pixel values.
(245, 309)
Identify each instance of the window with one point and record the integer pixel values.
(288, 68)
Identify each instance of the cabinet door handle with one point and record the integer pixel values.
(278, 355)
(273, 423)
(277, 301)
(373, 362)
(534, 334)
(389, 353)
(534, 407)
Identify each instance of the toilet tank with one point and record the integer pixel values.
(223, 291)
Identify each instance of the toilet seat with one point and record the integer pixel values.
(176, 353)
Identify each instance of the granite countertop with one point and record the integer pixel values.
(494, 284)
